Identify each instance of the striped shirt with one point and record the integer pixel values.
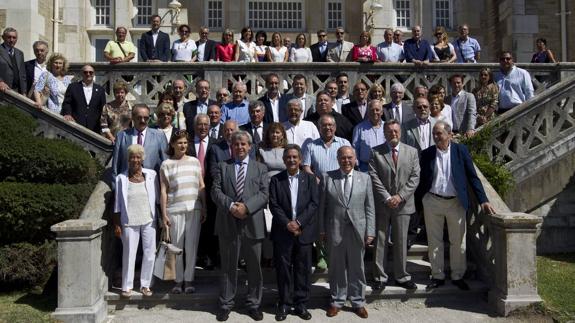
(183, 177)
(321, 158)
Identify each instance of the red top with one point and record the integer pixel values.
(369, 52)
(225, 53)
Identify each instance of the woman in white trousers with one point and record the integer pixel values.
(136, 199)
(183, 203)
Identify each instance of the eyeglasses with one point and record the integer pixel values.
(88, 72)
(322, 36)
(505, 58)
(144, 118)
(184, 31)
(339, 33)
(438, 35)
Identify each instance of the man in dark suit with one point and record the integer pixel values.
(446, 173)
(12, 70)
(324, 105)
(299, 91)
(154, 45)
(35, 67)
(271, 100)
(84, 100)
(320, 49)
(356, 110)
(216, 127)
(199, 105)
(201, 140)
(256, 127)
(398, 109)
(240, 191)
(294, 199)
(206, 47)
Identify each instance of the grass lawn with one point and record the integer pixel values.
(556, 285)
(26, 307)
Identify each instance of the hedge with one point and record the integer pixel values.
(15, 123)
(24, 266)
(28, 210)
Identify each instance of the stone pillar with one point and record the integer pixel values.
(514, 243)
(82, 284)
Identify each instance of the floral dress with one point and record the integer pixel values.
(56, 89)
(486, 96)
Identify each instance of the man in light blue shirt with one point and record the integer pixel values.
(237, 109)
(388, 51)
(514, 83)
(466, 48)
(368, 134)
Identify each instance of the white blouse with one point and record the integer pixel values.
(278, 55)
(300, 55)
(247, 51)
(183, 51)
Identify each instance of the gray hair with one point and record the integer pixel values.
(199, 116)
(241, 85)
(326, 116)
(140, 106)
(241, 133)
(292, 147)
(373, 102)
(136, 150)
(256, 104)
(397, 87)
(391, 122)
(296, 102)
(342, 148)
(445, 125)
(40, 42)
(9, 30)
(231, 121)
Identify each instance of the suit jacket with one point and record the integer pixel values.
(410, 134)
(462, 174)
(190, 111)
(334, 55)
(334, 213)
(220, 132)
(10, 73)
(344, 128)
(29, 66)
(388, 180)
(87, 115)
(352, 113)
(147, 49)
(155, 145)
(269, 116)
(465, 113)
(209, 50)
(249, 128)
(307, 204)
(307, 110)
(192, 149)
(316, 54)
(121, 200)
(219, 152)
(406, 112)
(255, 197)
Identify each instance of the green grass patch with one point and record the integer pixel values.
(556, 285)
(26, 307)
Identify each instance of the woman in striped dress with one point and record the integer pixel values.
(183, 206)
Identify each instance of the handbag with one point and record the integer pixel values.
(165, 265)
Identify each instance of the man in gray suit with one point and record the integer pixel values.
(394, 171)
(153, 140)
(417, 131)
(347, 221)
(463, 107)
(398, 109)
(240, 191)
(12, 69)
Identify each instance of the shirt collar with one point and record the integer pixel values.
(344, 174)
(245, 161)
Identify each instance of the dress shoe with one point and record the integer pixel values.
(223, 315)
(409, 285)
(332, 311)
(303, 313)
(361, 312)
(435, 283)
(282, 313)
(146, 291)
(461, 284)
(256, 314)
(378, 285)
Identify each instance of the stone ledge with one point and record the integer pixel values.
(516, 220)
(79, 225)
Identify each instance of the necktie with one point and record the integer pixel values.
(347, 189)
(202, 156)
(397, 115)
(11, 51)
(214, 133)
(394, 156)
(140, 138)
(257, 137)
(240, 181)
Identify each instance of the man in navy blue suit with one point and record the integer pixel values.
(294, 199)
(154, 45)
(446, 171)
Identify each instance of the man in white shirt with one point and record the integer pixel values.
(398, 109)
(514, 83)
(388, 51)
(463, 107)
(35, 67)
(331, 88)
(206, 47)
(298, 131)
(299, 87)
(272, 98)
(342, 88)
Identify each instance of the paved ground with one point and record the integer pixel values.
(415, 310)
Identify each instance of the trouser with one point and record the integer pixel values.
(437, 211)
(130, 240)
(292, 261)
(399, 225)
(185, 234)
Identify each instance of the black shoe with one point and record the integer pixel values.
(377, 285)
(256, 314)
(435, 283)
(409, 285)
(282, 313)
(208, 264)
(461, 284)
(223, 315)
(303, 313)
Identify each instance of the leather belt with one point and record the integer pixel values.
(443, 197)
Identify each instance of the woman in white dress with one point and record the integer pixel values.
(261, 47)
(53, 84)
(300, 53)
(245, 47)
(184, 49)
(277, 52)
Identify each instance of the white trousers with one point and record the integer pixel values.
(185, 234)
(130, 240)
(436, 210)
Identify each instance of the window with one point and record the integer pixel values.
(215, 14)
(145, 11)
(99, 44)
(403, 13)
(102, 12)
(442, 13)
(276, 15)
(334, 14)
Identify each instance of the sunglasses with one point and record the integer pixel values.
(322, 36)
(184, 31)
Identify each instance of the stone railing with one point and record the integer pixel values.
(147, 80)
(503, 248)
(51, 125)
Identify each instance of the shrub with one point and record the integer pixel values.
(23, 265)
(14, 123)
(28, 210)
